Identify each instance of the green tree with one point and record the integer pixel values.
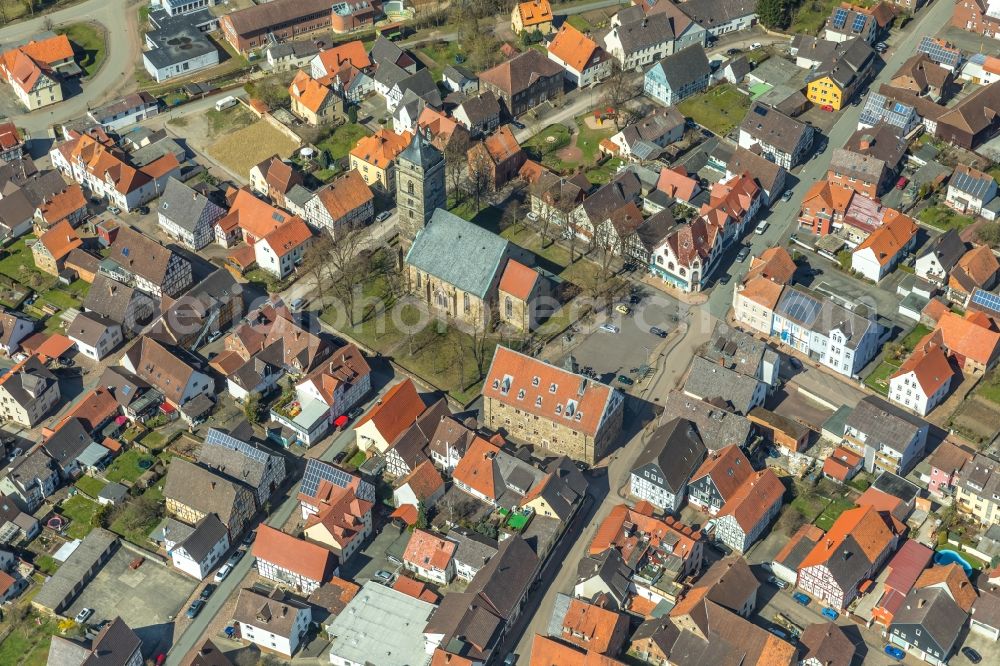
(775, 14)
(252, 409)
(989, 234)
(422, 521)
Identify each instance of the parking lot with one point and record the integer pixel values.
(148, 598)
(362, 565)
(613, 354)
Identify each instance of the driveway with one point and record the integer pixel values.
(120, 19)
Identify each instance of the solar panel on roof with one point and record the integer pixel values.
(219, 438)
(987, 299)
(859, 23)
(317, 471)
(839, 18)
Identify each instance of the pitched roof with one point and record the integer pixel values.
(971, 181)
(774, 128)
(863, 532)
(827, 644)
(763, 170)
(396, 411)
(288, 237)
(728, 468)
(976, 268)
(547, 391)
(974, 113)
(309, 92)
(184, 206)
(930, 366)
(592, 627)
(573, 47)
(952, 578)
(60, 240)
(884, 424)
(428, 551)
(890, 239)
(516, 75)
(966, 337)
(947, 247)
(424, 480)
(141, 255)
(754, 499)
(161, 367)
(286, 552)
(501, 145)
(260, 18)
(518, 280)
(459, 253)
(684, 67)
(934, 610)
(534, 12)
(352, 52)
(381, 148)
(60, 205)
(203, 490)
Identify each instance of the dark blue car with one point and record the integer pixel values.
(801, 598)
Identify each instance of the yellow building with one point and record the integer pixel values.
(825, 92)
(532, 15)
(375, 157)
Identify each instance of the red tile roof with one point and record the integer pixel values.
(873, 531)
(60, 240)
(550, 652)
(547, 391)
(889, 240)
(381, 149)
(429, 551)
(518, 280)
(573, 47)
(396, 411)
(728, 467)
(951, 577)
(309, 92)
(930, 366)
(592, 627)
(754, 499)
(288, 236)
(647, 531)
(424, 480)
(475, 469)
(286, 552)
(966, 337)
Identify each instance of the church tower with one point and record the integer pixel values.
(420, 186)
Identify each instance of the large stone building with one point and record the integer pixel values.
(551, 408)
(420, 186)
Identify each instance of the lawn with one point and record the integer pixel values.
(135, 525)
(580, 23)
(80, 511)
(229, 120)
(19, 265)
(239, 151)
(601, 175)
(543, 147)
(357, 460)
(28, 644)
(918, 333)
(989, 386)
(943, 218)
(89, 44)
(439, 55)
(589, 140)
(126, 466)
(90, 486)
(719, 109)
(878, 380)
(811, 15)
(832, 511)
(342, 140)
(61, 299)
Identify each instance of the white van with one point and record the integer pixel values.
(226, 102)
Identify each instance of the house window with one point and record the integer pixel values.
(465, 301)
(509, 307)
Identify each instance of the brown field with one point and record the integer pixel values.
(976, 418)
(242, 149)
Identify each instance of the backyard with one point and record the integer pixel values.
(943, 218)
(89, 45)
(718, 109)
(140, 515)
(810, 15)
(438, 55)
(28, 642)
(564, 150)
(340, 142)
(989, 386)
(80, 511)
(878, 379)
(129, 466)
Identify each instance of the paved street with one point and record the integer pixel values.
(120, 19)
(784, 215)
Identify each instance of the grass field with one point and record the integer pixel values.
(229, 120)
(943, 218)
(811, 15)
(28, 645)
(878, 380)
(720, 109)
(989, 386)
(89, 43)
(19, 265)
(832, 511)
(342, 140)
(128, 524)
(440, 55)
(90, 486)
(239, 151)
(80, 511)
(918, 333)
(126, 466)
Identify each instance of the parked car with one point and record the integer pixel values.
(826, 107)
(214, 336)
(794, 362)
(830, 614)
(626, 380)
(136, 563)
(248, 539)
(221, 574)
(902, 182)
(777, 582)
(881, 47)
(235, 557)
(519, 125)
(624, 309)
(972, 655)
(206, 591)
(801, 598)
(382, 576)
(194, 609)
(83, 615)
(743, 253)
(779, 633)
(609, 328)
(297, 304)
(733, 51)
(383, 216)
(894, 652)
(787, 196)
(755, 46)
(658, 332)
(724, 280)
(114, 210)
(533, 216)
(762, 227)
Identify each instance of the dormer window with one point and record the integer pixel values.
(496, 384)
(553, 387)
(535, 380)
(559, 408)
(520, 394)
(579, 415)
(538, 401)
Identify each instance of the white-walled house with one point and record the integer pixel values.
(280, 251)
(201, 550)
(880, 253)
(924, 379)
(582, 59)
(969, 190)
(95, 336)
(277, 623)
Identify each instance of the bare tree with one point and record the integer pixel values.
(454, 161)
(347, 263)
(314, 262)
(620, 87)
(479, 180)
(607, 241)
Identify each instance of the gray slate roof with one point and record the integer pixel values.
(421, 152)
(459, 253)
(718, 427)
(970, 183)
(685, 66)
(202, 540)
(935, 612)
(774, 128)
(948, 248)
(884, 424)
(183, 206)
(708, 380)
(677, 449)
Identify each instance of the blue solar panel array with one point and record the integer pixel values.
(987, 299)
(859, 23)
(317, 471)
(219, 438)
(800, 307)
(939, 53)
(839, 18)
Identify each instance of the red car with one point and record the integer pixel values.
(826, 107)
(902, 182)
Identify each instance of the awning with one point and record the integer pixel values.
(167, 408)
